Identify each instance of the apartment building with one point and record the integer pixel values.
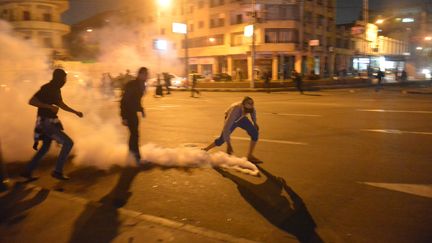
(39, 21)
(289, 34)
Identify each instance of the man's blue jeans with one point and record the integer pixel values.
(52, 132)
(244, 124)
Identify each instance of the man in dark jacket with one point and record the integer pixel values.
(48, 100)
(130, 104)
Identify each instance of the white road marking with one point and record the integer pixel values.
(287, 114)
(394, 131)
(395, 111)
(415, 189)
(270, 141)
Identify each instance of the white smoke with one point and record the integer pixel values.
(100, 139)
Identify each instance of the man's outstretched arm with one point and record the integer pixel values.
(65, 107)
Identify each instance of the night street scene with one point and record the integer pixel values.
(216, 121)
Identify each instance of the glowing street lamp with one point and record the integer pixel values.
(428, 38)
(161, 45)
(379, 21)
(164, 3)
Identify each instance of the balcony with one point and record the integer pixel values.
(41, 25)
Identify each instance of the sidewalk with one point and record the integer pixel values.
(33, 214)
(309, 85)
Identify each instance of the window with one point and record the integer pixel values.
(26, 15)
(47, 17)
(237, 19)
(215, 3)
(217, 21)
(201, 4)
(237, 39)
(47, 41)
(283, 35)
(201, 24)
(282, 12)
(205, 41)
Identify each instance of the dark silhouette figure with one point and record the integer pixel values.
(298, 80)
(194, 84)
(130, 104)
(404, 76)
(3, 180)
(100, 221)
(267, 78)
(268, 199)
(167, 80)
(380, 75)
(48, 100)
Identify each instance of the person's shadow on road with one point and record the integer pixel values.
(16, 203)
(99, 222)
(287, 212)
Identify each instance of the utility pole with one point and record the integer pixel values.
(186, 46)
(254, 20)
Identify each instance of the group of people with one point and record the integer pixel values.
(48, 100)
(295, 76)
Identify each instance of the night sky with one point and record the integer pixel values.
(347, 10)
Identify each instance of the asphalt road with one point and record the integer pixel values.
(356, 167)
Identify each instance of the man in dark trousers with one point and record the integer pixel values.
(380, 75)
(194, 84)
(298, 80)
(130, 104)
(48, 100)
(167, 79)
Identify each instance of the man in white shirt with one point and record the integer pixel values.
(236, 116)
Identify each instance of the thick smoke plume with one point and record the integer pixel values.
(100, 139)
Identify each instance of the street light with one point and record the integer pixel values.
(379, 21)
(164, 3)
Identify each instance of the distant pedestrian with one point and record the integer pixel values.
(158, 90)
(380, 75)
(167, 79)
(48, 100)
(194, 84)
(130, 104)
(298, 81)
(236, 116)
(266, 78)
(404, 76)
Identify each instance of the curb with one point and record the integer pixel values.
(203, 232)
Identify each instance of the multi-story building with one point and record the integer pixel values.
(38, 20)
(284, 32)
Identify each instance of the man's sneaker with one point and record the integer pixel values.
(59, 176)
(28, 176)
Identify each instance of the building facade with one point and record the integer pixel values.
(39, 21)
(216, 41)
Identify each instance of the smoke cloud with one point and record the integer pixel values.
(100, 139)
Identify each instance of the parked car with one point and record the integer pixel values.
(222, 77)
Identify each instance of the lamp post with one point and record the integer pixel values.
(254, 18)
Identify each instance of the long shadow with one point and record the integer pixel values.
(288, 213)
(15, 204)
(99, 222)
